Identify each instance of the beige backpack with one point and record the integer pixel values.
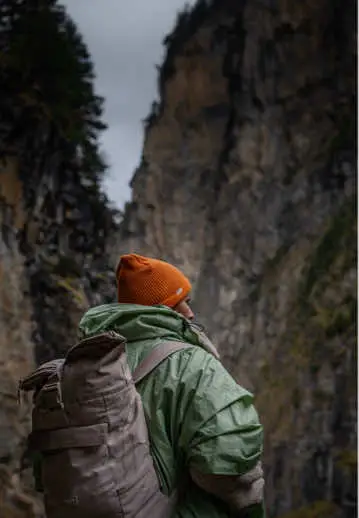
(89, 426)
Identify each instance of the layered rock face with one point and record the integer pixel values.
(52, 268)
(247, 183)
(54, 228)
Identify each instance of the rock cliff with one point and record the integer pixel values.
(247, 182)
(54, 220)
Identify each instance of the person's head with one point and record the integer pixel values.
(150, 282)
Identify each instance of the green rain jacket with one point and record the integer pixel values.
(197, 414)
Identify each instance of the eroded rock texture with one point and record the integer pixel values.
(54, 220)
(53, 266)
(247, 182)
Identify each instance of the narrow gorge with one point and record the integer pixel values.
(247, 181)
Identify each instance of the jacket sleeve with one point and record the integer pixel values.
(220, 433)
(243, 493)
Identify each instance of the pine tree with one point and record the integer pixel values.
(45, 65)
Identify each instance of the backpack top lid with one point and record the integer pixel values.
(94, 347)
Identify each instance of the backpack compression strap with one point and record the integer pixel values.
(157, 356)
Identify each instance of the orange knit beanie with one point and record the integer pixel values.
(146, 281)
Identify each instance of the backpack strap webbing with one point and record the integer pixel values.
(157, 356)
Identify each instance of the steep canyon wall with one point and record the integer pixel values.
(247, 182)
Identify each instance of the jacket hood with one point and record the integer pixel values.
(139, 323)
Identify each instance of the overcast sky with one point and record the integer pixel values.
(124, 38)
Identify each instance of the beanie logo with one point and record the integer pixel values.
(179, 291)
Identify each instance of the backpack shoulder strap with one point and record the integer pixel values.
(157, 356)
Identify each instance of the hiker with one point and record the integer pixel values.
(206, 439)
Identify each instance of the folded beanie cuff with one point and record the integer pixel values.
(173, 300)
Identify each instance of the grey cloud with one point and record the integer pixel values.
(125, 41)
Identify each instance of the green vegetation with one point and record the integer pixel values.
(347, 460)
(47, 72)
(340, 235)
(320, 332)
(51, 121)
(342, 318)
(319, 509)
(70, 285)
